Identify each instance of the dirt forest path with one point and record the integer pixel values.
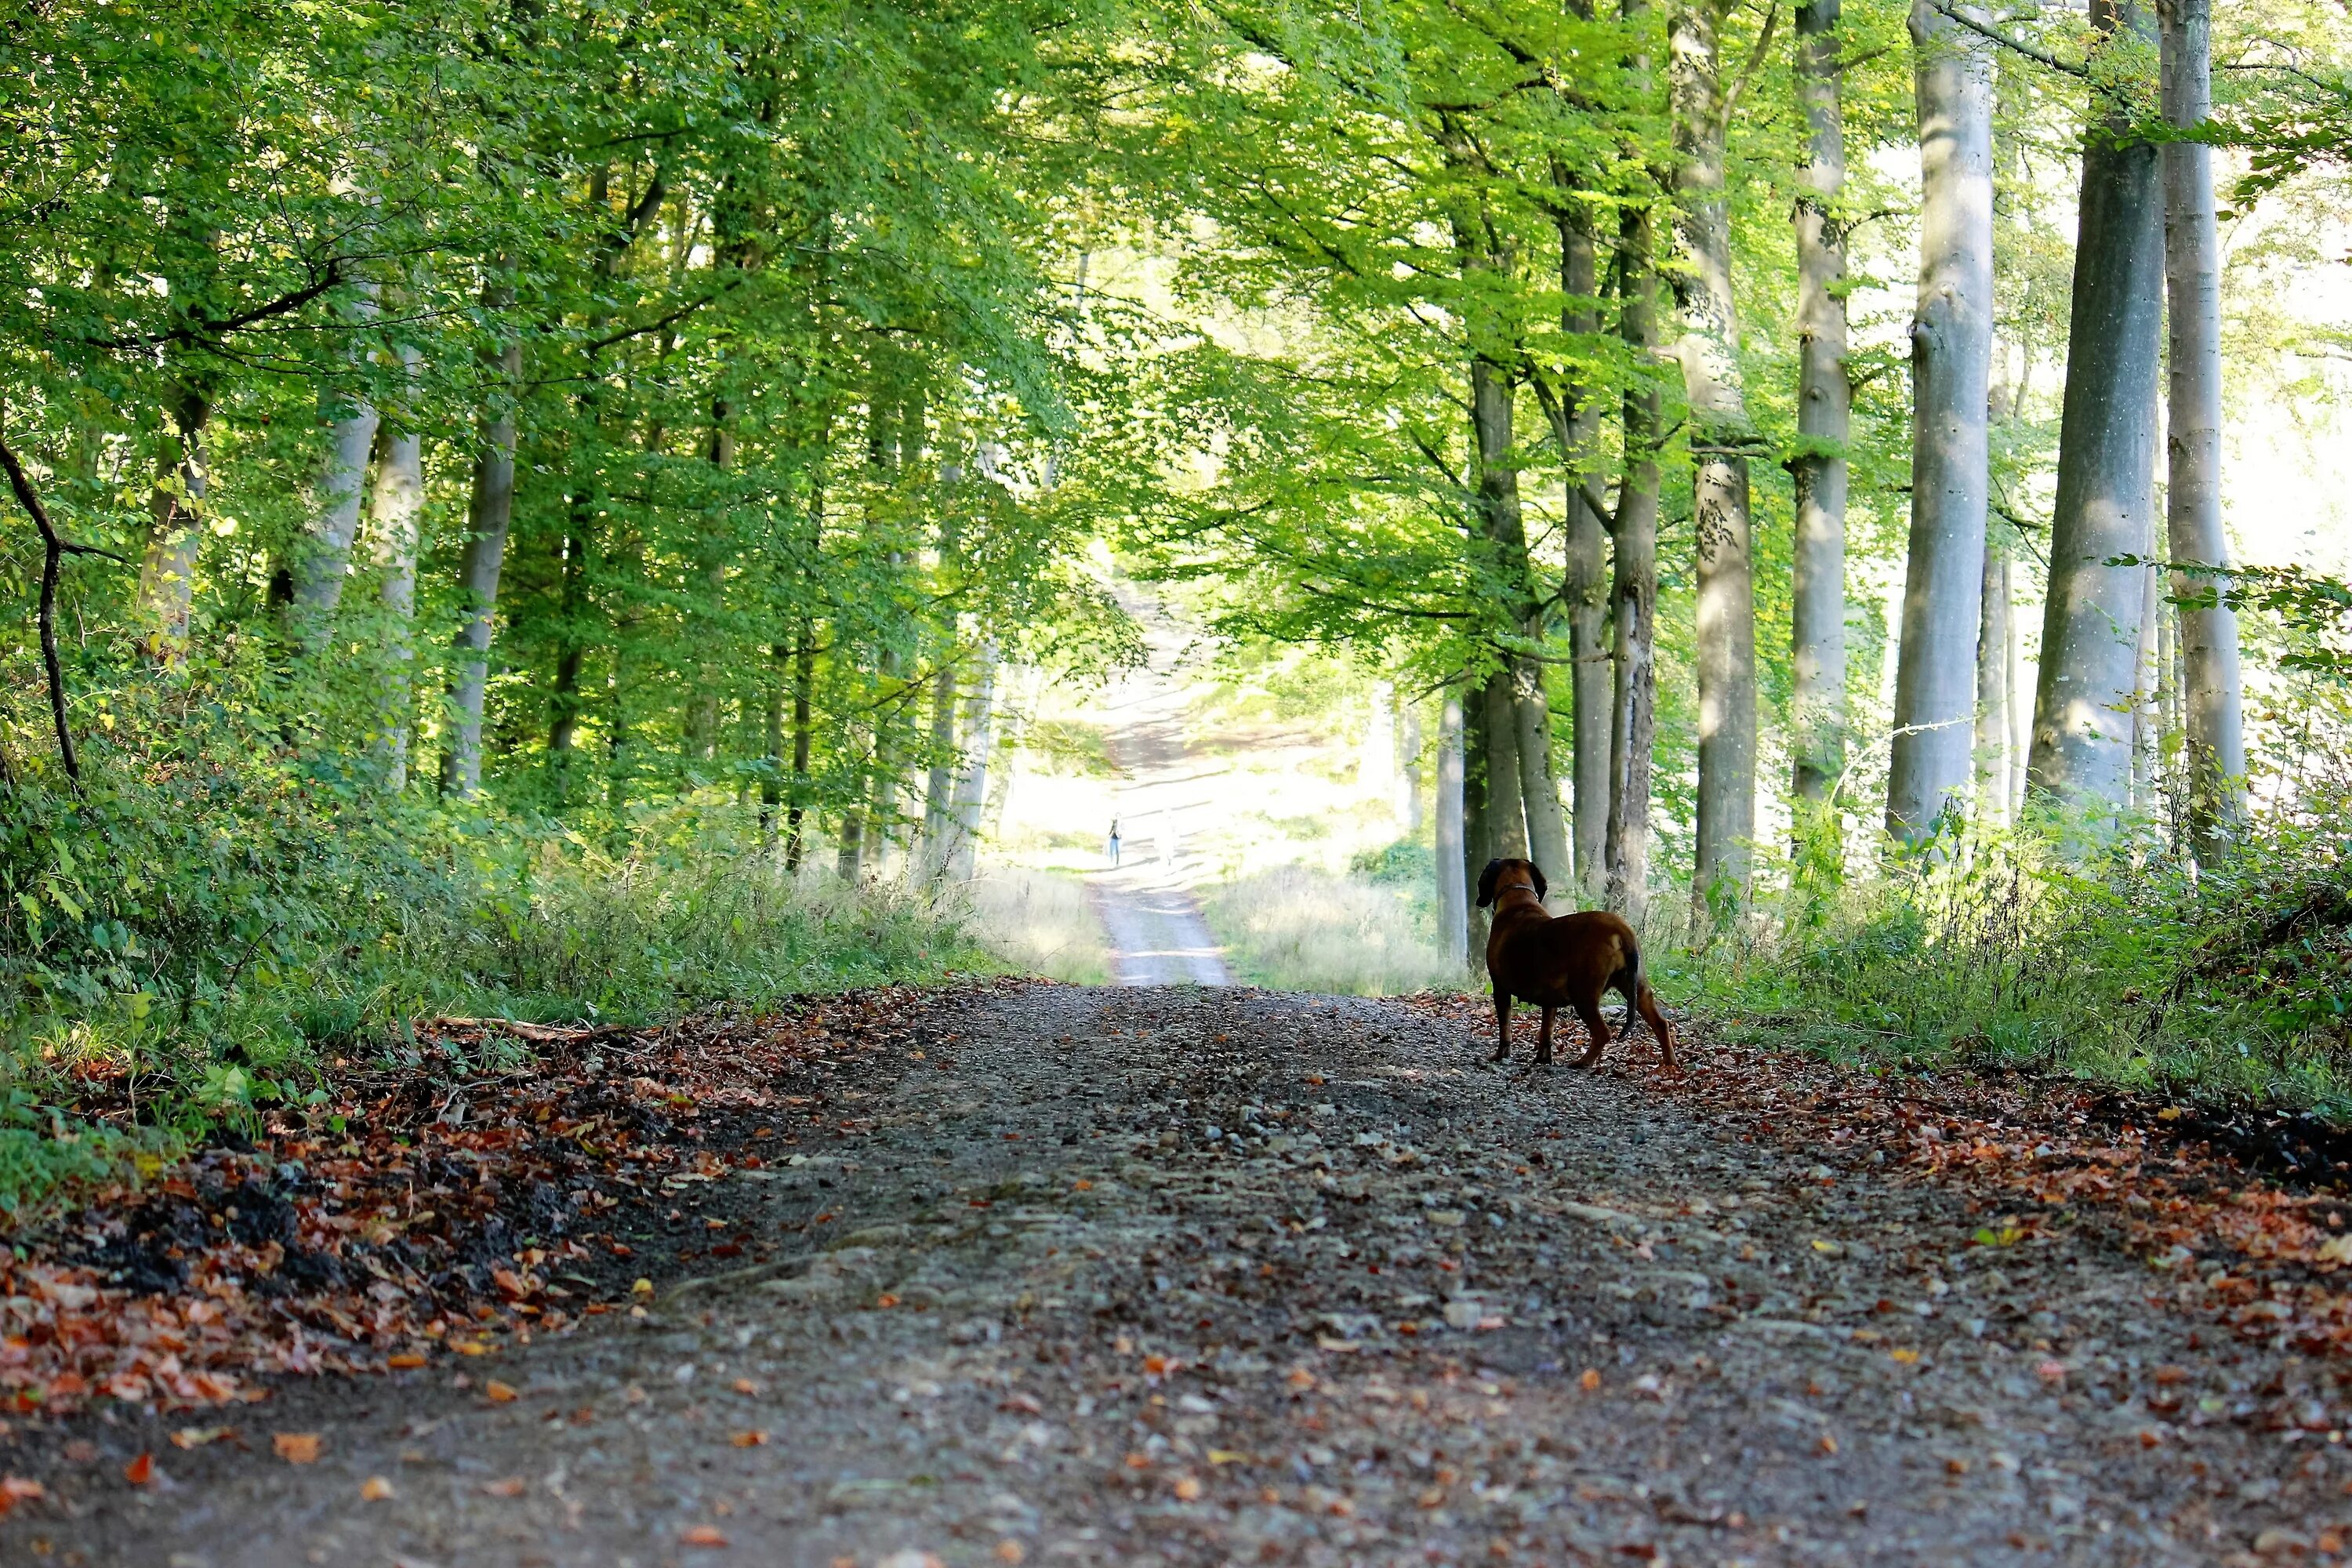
(1152, 925)
(1183, 1276)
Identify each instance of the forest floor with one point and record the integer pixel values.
(1029, 1272)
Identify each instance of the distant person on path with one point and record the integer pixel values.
(1111, 848)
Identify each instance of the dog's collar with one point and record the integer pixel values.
(1502, 888)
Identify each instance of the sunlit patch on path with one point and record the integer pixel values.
(1152, 923)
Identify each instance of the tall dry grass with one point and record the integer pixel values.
(1298, 928)
(1039, 922)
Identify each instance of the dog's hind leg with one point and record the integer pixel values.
(1543, 1040)
(1647, 1000)
(1588, 1010)
(1502, 1024)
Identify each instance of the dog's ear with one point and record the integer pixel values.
(1542, 887)
(1486, 882)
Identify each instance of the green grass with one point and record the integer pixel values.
(188, 941)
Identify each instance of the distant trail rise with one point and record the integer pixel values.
(1152, 923)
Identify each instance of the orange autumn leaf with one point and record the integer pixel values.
(140, 1470)
(375, 1488)
(407, 1362)
(297, 1447)
(704, 1535)
(500, 1393)
(1188, 1490)
(751, 1439)
(510, 1487)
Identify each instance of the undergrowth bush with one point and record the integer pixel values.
(2115, 960)
(187, 935)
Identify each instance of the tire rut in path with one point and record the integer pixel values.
(1128, 1276)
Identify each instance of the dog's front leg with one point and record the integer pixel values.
(1543, 1040)
(1502, 1024)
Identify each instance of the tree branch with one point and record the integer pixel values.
(53, 550)
(2031, 51)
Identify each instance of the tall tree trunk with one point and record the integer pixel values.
(1633, 575)
(167, 574)
(710, 674)
(1584, 584)
(2215, 722)
(1825, 425)
(803, 734)
(394, 509)
(772, 781)
(322, 559)
(1951, 379)
(1992, 689)
(1708, 350)
(2107, 455)
(571, 644)
(2020, 711)
(939, 785)
(1407, 781)
(1507, 818)
(849, 856)
(1537, 827)
(972, 779)
(489, 514)
(1477, 839)
(2145, 694)
(1452, 900)
(1547, 824)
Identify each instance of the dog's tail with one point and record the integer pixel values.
(1628, 978)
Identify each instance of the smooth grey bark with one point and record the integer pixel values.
(972, 778)
(1478, 843)
(2145, 695)
(1537, 827)
(1584, 582)
(489, 515)
(797, 810)
(1817, 698)
(167, 571)
(2107, 455)
(2213, 714)
(323, 560)
(939, 790)
(1724, 636)
(1992, 688)
(939, 787)
(1506, 817)
(395, 504)
(1547, 824)
(771, 779)
(1409, 805)
(1452, 898)
(1634, 574)
(1929, 765)
(702, 712)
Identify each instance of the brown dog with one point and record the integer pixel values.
(1568, 961)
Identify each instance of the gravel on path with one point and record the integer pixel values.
(1205, 1276)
